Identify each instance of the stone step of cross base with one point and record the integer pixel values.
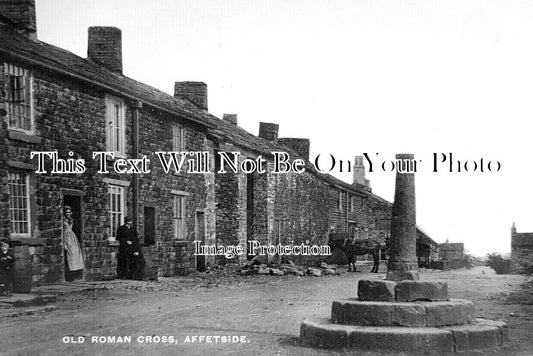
(412, 314)
(479, 335)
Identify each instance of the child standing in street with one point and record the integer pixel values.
(6, 270)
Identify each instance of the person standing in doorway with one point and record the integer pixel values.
(128, 245)
(73, 253)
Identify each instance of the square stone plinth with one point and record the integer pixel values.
(410, 291)
(379, 291)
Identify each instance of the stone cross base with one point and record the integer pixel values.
(409, 316)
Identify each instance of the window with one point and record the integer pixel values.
(117, 208)
(178, 138)
(115, 126)
(19, 100)
(19, 204)
(352, 204)
(340, 200)
(179, 213)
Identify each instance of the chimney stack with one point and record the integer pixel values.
(195, 92)
(231, 118)
(21, 12)
(359, 172)
(105, 47)
(298, 145)
(268, 131)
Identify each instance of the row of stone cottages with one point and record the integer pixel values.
(55, 101)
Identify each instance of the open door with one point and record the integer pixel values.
(75, 204)
(200, 236)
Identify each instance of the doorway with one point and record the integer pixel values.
(149, 225)
(74, 201)
(250, 226)
(200, 236)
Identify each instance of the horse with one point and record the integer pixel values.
(353, 248)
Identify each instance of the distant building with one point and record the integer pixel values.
(452, 255)
(521, 251)
(452, 251)
(427, 250)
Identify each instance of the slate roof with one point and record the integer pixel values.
(54, 59)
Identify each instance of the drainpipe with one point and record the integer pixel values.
(347, 207)
(135, 139)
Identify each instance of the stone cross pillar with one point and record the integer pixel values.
(403, 264)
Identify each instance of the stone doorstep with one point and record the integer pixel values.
(480, 335)
(411, 314)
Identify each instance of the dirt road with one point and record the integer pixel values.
(171, 316)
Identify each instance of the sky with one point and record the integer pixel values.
(417, 76)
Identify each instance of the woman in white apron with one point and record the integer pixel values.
(72, 247)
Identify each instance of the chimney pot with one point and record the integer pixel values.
(105, 47)
(231, 118)
(195, 92)
(268, 131)
(359, 172)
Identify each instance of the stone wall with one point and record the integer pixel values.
(300, 216)
(4, 190)
(158, 189)
(70, 119)
(380, 217)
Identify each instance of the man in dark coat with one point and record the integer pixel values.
(136, 263)
(127, 237)
(130, 264)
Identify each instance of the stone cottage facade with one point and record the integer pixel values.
(69, 110)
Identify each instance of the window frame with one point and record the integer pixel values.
(114, 123)
(179, 230)
(178, 137)
(27, 75)
(28, 207)
(114, 224)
